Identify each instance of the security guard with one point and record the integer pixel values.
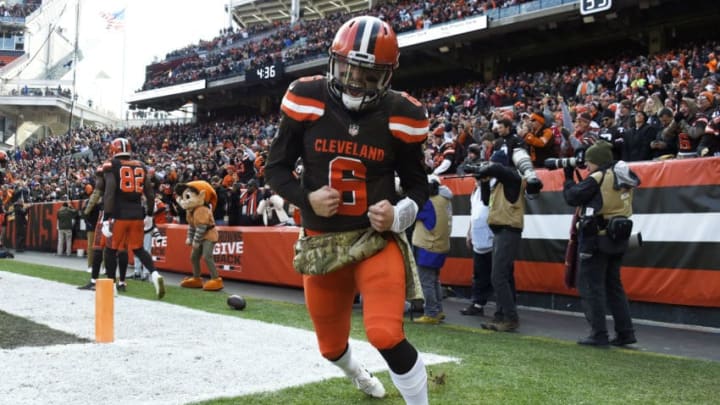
(605, 198)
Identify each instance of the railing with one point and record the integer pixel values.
(12, 20)
(525, 8)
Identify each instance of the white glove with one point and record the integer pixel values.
(405, 212)
(106, 228)
(147, 223)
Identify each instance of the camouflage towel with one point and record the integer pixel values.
(325, 253)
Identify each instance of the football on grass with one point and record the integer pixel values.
(236, 302)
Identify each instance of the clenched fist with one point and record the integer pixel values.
(382, 215)
(324, 201)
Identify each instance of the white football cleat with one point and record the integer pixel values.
(368, 384)
(159, 284)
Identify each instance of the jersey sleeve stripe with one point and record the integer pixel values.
(408, 129)
(302, 108)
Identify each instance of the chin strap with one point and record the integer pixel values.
(405, 212)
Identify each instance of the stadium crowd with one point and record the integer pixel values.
(235, 51)
(650, 107)
(19, 9)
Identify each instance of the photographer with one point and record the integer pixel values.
(505, 218)
(605, 198)
(517, 154)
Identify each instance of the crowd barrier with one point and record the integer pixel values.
(677, 209)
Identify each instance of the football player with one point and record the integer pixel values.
(354, 134)
(97, 242)
(125, 218)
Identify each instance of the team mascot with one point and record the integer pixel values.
(198, 199)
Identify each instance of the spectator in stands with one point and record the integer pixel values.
(3, 167)
(661, 148)
(652, 107)
(705, 115)
(65, 221)
(562, 146)
(612, 133)
(272, 208)
(248, 205)
(636, 142)
(246, 164)
(688, 136)
(583, 135)
(624, 116)
(473, 158)
(595, 112)
(540, 140)
(233, 206)
(585, 87)
(710, 144)
(445, 159)
(221, 211)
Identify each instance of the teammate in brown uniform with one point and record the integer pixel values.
(354, 135)
(100, 243)
(126, 181)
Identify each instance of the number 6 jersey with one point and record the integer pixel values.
(356, 153)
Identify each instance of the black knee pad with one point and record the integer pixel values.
(400, 358)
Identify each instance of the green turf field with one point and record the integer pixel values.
(496, 368)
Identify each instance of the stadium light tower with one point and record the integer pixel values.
(229, 10)
(294, 12)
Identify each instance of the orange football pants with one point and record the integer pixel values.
(127, 233)
(380, 280)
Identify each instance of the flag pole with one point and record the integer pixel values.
(124, 52)
(73, 98)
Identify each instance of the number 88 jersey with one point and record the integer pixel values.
(356, 153)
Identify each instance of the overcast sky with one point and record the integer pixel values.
(152, 28)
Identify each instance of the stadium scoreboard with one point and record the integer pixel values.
(594, 6)
(264, 73)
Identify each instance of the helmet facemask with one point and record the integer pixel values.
(357, 80)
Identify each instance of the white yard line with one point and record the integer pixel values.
(162, 353)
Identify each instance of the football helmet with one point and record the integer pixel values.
(363, 56)
(120, 147)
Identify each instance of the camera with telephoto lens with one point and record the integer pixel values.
(475, 168)
(560, 163)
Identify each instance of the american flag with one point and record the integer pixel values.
(114, 21)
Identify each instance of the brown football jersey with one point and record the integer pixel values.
(357, 153)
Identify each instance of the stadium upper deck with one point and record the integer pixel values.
(251, 12)
(515, 37)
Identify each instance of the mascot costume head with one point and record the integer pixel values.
(195, 194)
